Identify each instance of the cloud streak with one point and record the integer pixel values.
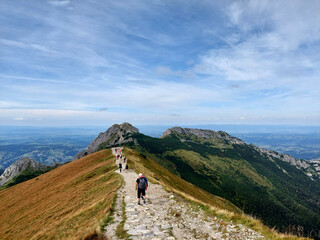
(192, 61)
(60, 3)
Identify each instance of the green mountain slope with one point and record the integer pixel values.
(211, 204)
(277, 192)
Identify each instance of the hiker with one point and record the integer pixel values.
(141, 186)
(127, 167)
(124, 159)
(120, 167)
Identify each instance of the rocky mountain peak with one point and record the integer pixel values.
(201, 133)
(19, 166)
(114, 136)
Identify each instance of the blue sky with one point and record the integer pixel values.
(67, 62)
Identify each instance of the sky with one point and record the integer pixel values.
(93, 62)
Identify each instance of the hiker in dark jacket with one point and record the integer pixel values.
(141, 186)
(120, 167)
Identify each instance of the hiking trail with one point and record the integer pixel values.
(165, 217)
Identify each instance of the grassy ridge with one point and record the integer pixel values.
(213, 205)
(65, 203)
(159, 174)
(281, 195)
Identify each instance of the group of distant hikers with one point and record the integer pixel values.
(141, 182)
(121, 158)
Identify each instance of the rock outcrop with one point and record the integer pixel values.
(17, 167)
(201, 133)
(316, 166)
(114, 136)
(311, 168)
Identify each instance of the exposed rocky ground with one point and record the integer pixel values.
(311, 168)
(115, 135)
(202, 133)
(166, 216)
(17, 167)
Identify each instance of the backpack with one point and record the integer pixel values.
(142, 183)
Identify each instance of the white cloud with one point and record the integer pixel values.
(276, 42)
(18, 119)
(33, 46)
(251, 59)
(60, 3)
(32, 79)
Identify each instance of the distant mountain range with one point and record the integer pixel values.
(282, 191)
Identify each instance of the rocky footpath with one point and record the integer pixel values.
(166, 216)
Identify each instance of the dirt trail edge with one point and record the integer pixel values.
(165, 217)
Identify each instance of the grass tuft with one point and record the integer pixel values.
(120, 232)
(109, 218)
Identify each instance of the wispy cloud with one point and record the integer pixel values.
(272, 41)
(33, 46)
(160, 60)
(2, 76)
(60, 3)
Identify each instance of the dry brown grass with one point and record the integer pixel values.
(66, 203)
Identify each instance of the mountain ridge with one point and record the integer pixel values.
(262, 182)
(77, 197)
(115, 135)
(202, 133)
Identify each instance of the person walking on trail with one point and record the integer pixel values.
(141, 186)
(120, 167)
(127, 167)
